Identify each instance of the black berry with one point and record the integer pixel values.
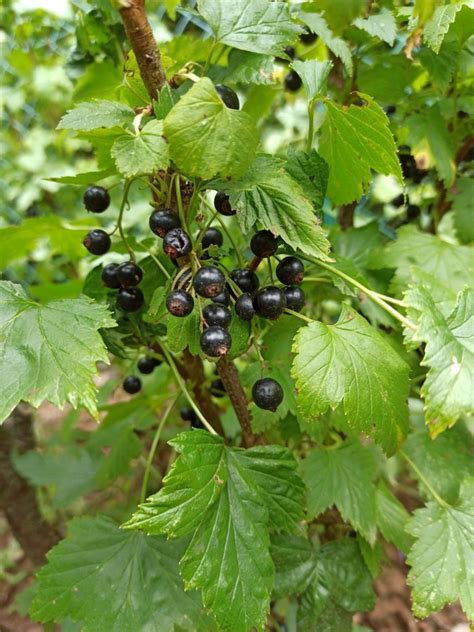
(129, 274)
(222, 204)
(146, 365)
(97, 242)
(246, 280)
(223, 298)
(109, 276)
(131, 384)
(217, 315)
(269, 302)
(96, 199)
(179, 303)
(244, 307)
(163, 220)
(390, 110)
(308, 37)
(217, 388)
(188, 414)
(209, 282)
(295, 297)
(289, 52)
(130, 299)
(398, 201)
(267, 394)
(212, 237)
(292, 81)
(228, 96)
(215, 342)
(177, 243)
(413, 211)
(263, 244)
(290, 271)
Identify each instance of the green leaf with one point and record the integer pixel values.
(311, 172)
(351, 362)
(295, 564)
(438, 25)
(354, 142)
(111, 579)
(49, 351)
(381, 25)
(463, 207)
(313, 74)
(392, 518)
(207, 138)
(258, 26)
(184, 332)
(245, 68)
(424, 9)
(343, 477)
(225, 498)
(442, 557)
(240, 334)
(142, 153)
(340, 14)
(91, 115)
(335, 44)
(84, 178)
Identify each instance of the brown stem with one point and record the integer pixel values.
(144, 46)
(346, 215)
(17, 498)
(253, 265)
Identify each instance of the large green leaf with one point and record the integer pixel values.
(49, 351)
(438, 25)
(295, 564)
(351, 362)
(141, 153)
(111, 579)
(340, 14)
(442, 557)
(392, 518)
(354, 142)
(91, 115)
(311, 172)
(227, 498)
(313, 74)
(207, 138)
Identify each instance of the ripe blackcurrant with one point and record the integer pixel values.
(290, 271)
(246, 280)
(295, 297)
(223, 298)
(217, 388)
(177, 243)
(222, 204)
(413, 211)
(398, 201)
(269, 302)
(216, 315)
(244, 307)
(215, 342)
(97, 242)
(228, 96)
(146, 364)
(129, 274)
(188, 414)
(267, 394)
(212, 237)
(290, 52)
(132, 384)
(130, 299)
(179, 303)
(308, 37)
(263, 244)
(163, 220)
(209, 282)
(109, 276)
(292, 81)
(96, 199)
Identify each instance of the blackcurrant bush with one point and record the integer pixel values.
(308, 37)
(263, 244)
(217, 315)
(217, 388)
(146, 365)
(132, 384)
(97, 242)
(212, 237)
(109, 276)
(223, 298)
(209, 282)
(96, 199)
(292, 81)
(267, 394)
(295, 297)
(222, 204)
(129, 274)
(290, 271)
(177, 243)
(179, 303)
(130, 299)
(246, 280)
(244, 307)
(163, 220)
(215, 342)
(269, 302)
(228, 96)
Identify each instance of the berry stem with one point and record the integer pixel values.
(425, 481)
(309, 140)
(119, 226)
(253, 265)
(158, 262)
(298, 315)
(179, 202)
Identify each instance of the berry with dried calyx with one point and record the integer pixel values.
(267, 394)
(263, 244)
(163, 220)
(97, 242)
(179, 303)
(222, 204)
(209, 282)
(176, 243)
(129, 274)
(290, 271)
(215, 342)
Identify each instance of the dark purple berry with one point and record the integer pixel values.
(109, 276)
(398, 201)
(96, 199)
(176, 243)
(267, 394)
(132, 384)
(308, 37)
(212, 237)
(216, 315)
(97, 242)
(217, 388)
(244, 307)
(223, 298)
(209, 282)
(129, 274)
(295, 297)
(163, 220)
(179, 303)
(222, 204)
(130, 299)
(146, 365)
(263, 244)
(269, 302)
(215, 342)
(290, 271)
(187, 413)
(228, 96)
(292, 81)
(246, 280)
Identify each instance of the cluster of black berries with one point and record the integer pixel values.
(133, 384)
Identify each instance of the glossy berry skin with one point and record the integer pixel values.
(188, 414)
(215, 342)
(222, 204)
(97, 242)
(246, 280)
(96, 199)
(176, 243)
(263, 244)
(217, 315)
(295, 297)
(308, 37)
(228, 96)
(179, 303)
(163, 220)
(130, 299)
(269, 302)
(267, 394)
(131, 384)
(146, 365)
(290, 271)
(109, 276)
(212, 237)
(129, 274)
(209, 282)
(244, 307)
(217, 388)
(223, 298)
(292, 82)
